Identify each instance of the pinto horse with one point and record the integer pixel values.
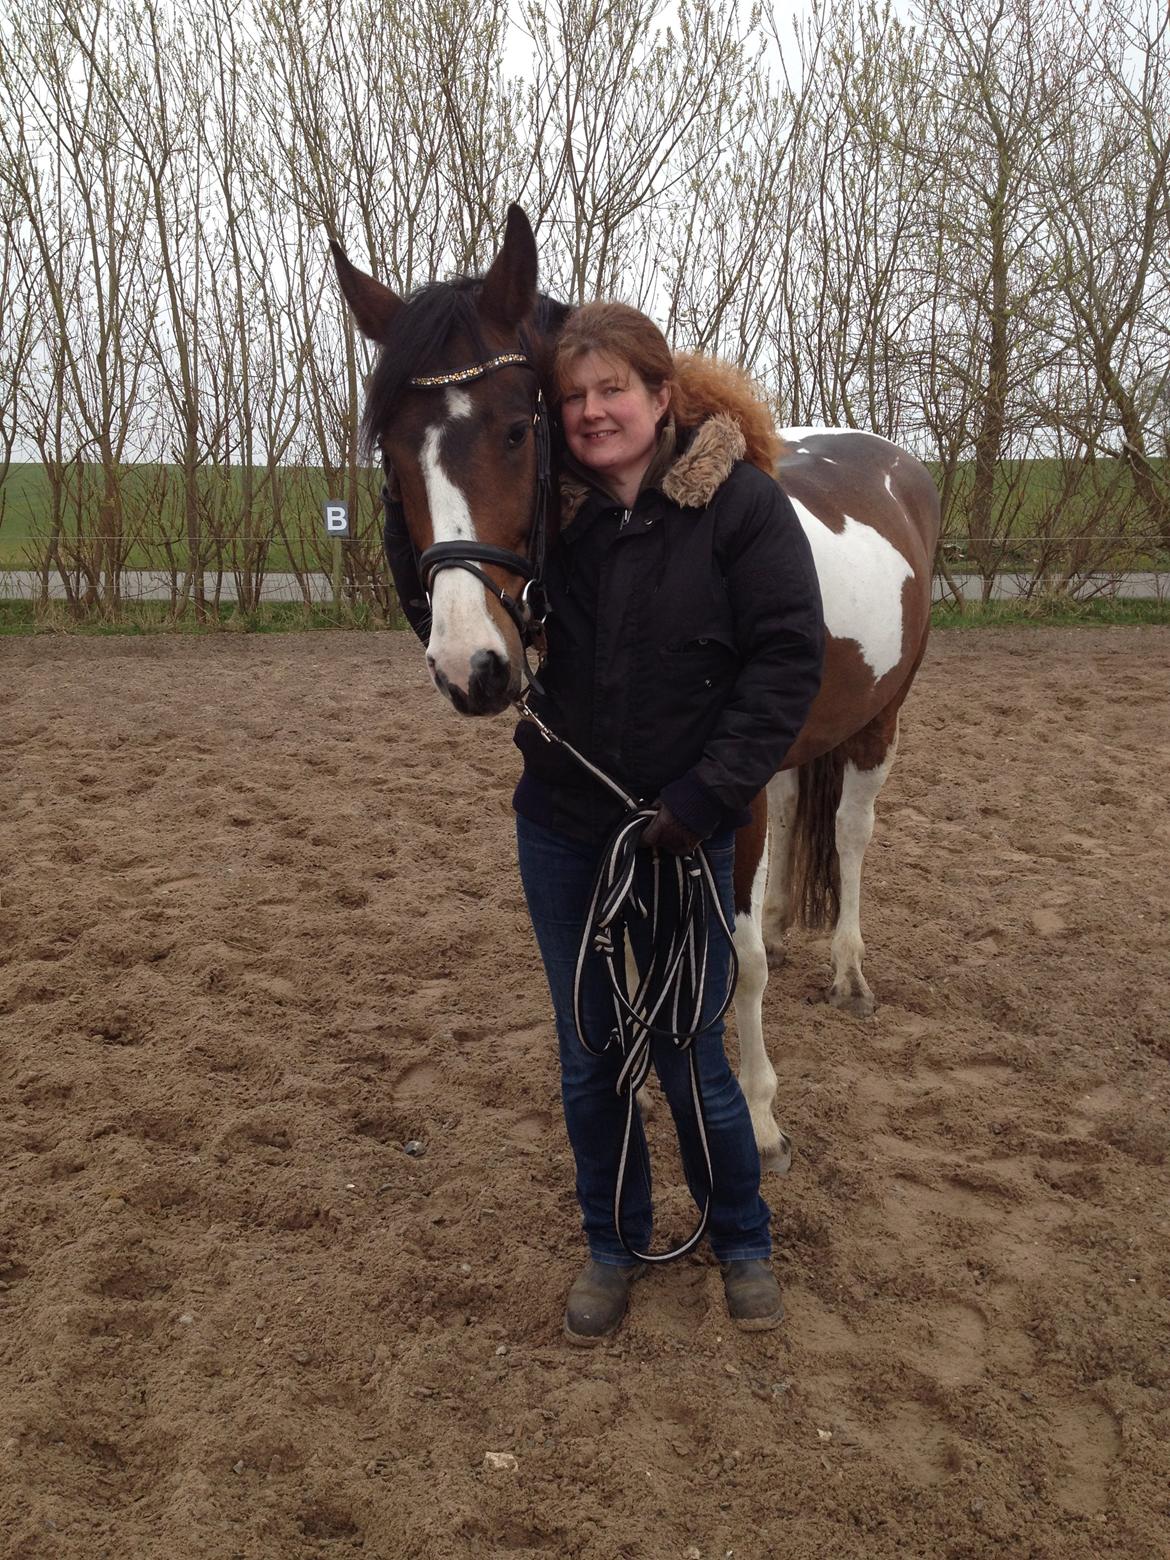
(455, 407)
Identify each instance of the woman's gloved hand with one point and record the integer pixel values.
(668, 833)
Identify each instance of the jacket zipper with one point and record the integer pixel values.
(626, 513)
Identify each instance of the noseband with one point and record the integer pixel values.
(530, 611)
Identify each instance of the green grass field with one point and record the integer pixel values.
(23, 617)
(1035, 499)
(1053, 612)
(154, 522)
(1038, 499)
(154, 617)
(1089, 514)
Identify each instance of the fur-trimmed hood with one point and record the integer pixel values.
(705, 465)
(726, 421)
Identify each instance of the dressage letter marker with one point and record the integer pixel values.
(336, 517)
(337, 526)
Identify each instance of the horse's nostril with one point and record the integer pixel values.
(489, 671)
(489, 676)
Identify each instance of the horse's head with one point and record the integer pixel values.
(454, 405)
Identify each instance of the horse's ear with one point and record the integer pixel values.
(509, 288)
(372, 305)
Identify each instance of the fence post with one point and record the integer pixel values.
(337, 527)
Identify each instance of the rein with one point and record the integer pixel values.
(529, 612)
(668, 1002)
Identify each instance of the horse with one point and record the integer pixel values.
(456, 404)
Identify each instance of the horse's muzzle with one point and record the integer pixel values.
(492, 684)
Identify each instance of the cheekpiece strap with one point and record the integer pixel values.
(462, 376)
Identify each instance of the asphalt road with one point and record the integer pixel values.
(155, 585)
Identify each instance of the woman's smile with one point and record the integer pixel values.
(611, 417)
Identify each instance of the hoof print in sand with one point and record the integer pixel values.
(417, 1083)
(532, 1128)
(1089, 1440)
(925, 1449)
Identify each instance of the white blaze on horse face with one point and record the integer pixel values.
(460, 623)
(861, 577)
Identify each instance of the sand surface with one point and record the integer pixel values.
(260, 926)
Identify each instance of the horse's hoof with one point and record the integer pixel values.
(858, 1004)
(777, 1159)
(777, 955)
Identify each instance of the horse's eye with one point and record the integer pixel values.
(517, 433)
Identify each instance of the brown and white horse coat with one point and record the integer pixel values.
(871, 515)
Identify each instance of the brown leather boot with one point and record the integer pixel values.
(753, 1295)
(598, 1299)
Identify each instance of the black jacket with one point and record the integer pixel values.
(685, 644)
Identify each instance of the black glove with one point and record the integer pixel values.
(668, 833)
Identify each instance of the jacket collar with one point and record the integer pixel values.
(688, 468)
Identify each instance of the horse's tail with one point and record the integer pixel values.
(814, 870)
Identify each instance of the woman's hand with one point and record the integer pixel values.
(667, 833)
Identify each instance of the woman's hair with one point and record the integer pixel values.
(616, 331)
(699, 387)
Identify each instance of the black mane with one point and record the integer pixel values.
(431, 315)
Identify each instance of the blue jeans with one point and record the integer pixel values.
(557, 873)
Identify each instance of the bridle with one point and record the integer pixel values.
(528, 612)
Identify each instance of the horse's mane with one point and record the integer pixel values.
(430, 316)
(706, 387)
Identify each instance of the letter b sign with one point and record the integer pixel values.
(336, 517)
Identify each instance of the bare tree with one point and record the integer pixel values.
(623, 115)
(1108, 181)
(951, 229)
(1004, 78)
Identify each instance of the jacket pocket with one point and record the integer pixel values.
(699, 656)
(696, 676)
(696, 641)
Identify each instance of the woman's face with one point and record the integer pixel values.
(610, 417)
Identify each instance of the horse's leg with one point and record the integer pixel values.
(869, 758)
(757, 1078)
(783, 790)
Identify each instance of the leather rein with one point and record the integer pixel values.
(529, 610)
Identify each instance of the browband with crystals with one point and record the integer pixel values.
(460, 376)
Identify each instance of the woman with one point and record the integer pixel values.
(685, 643)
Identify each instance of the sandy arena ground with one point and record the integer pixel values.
(260, 926)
